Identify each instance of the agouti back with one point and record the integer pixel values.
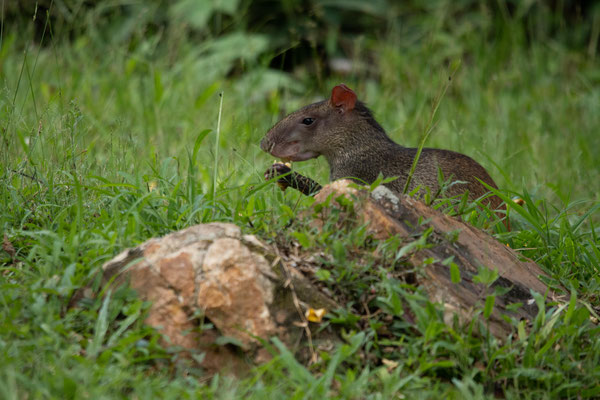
(343, 130)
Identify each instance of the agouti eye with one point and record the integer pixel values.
(308, 121)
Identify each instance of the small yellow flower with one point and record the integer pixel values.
(315, 315)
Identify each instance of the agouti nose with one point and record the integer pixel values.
(266, 145)
(263, 144)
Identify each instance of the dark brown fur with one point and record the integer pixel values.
(356, 146)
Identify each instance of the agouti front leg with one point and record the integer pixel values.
(291, 179)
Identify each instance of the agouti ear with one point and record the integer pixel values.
(343, 98)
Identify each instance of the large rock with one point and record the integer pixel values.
(213, 274)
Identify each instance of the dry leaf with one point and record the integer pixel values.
(8, 247)
(390, 364)
(315, 315)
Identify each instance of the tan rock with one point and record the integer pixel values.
(235, 291)
(211, 273)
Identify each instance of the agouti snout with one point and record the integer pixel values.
(343, 130)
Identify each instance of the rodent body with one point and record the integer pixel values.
(343, 130)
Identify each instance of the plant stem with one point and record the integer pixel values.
(217, 147)
(429, 127)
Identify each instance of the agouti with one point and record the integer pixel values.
(343, 130)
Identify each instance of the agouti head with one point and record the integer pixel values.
(322, 128)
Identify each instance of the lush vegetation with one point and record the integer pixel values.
(110, 135)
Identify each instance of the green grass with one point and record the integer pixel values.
(103, 146)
